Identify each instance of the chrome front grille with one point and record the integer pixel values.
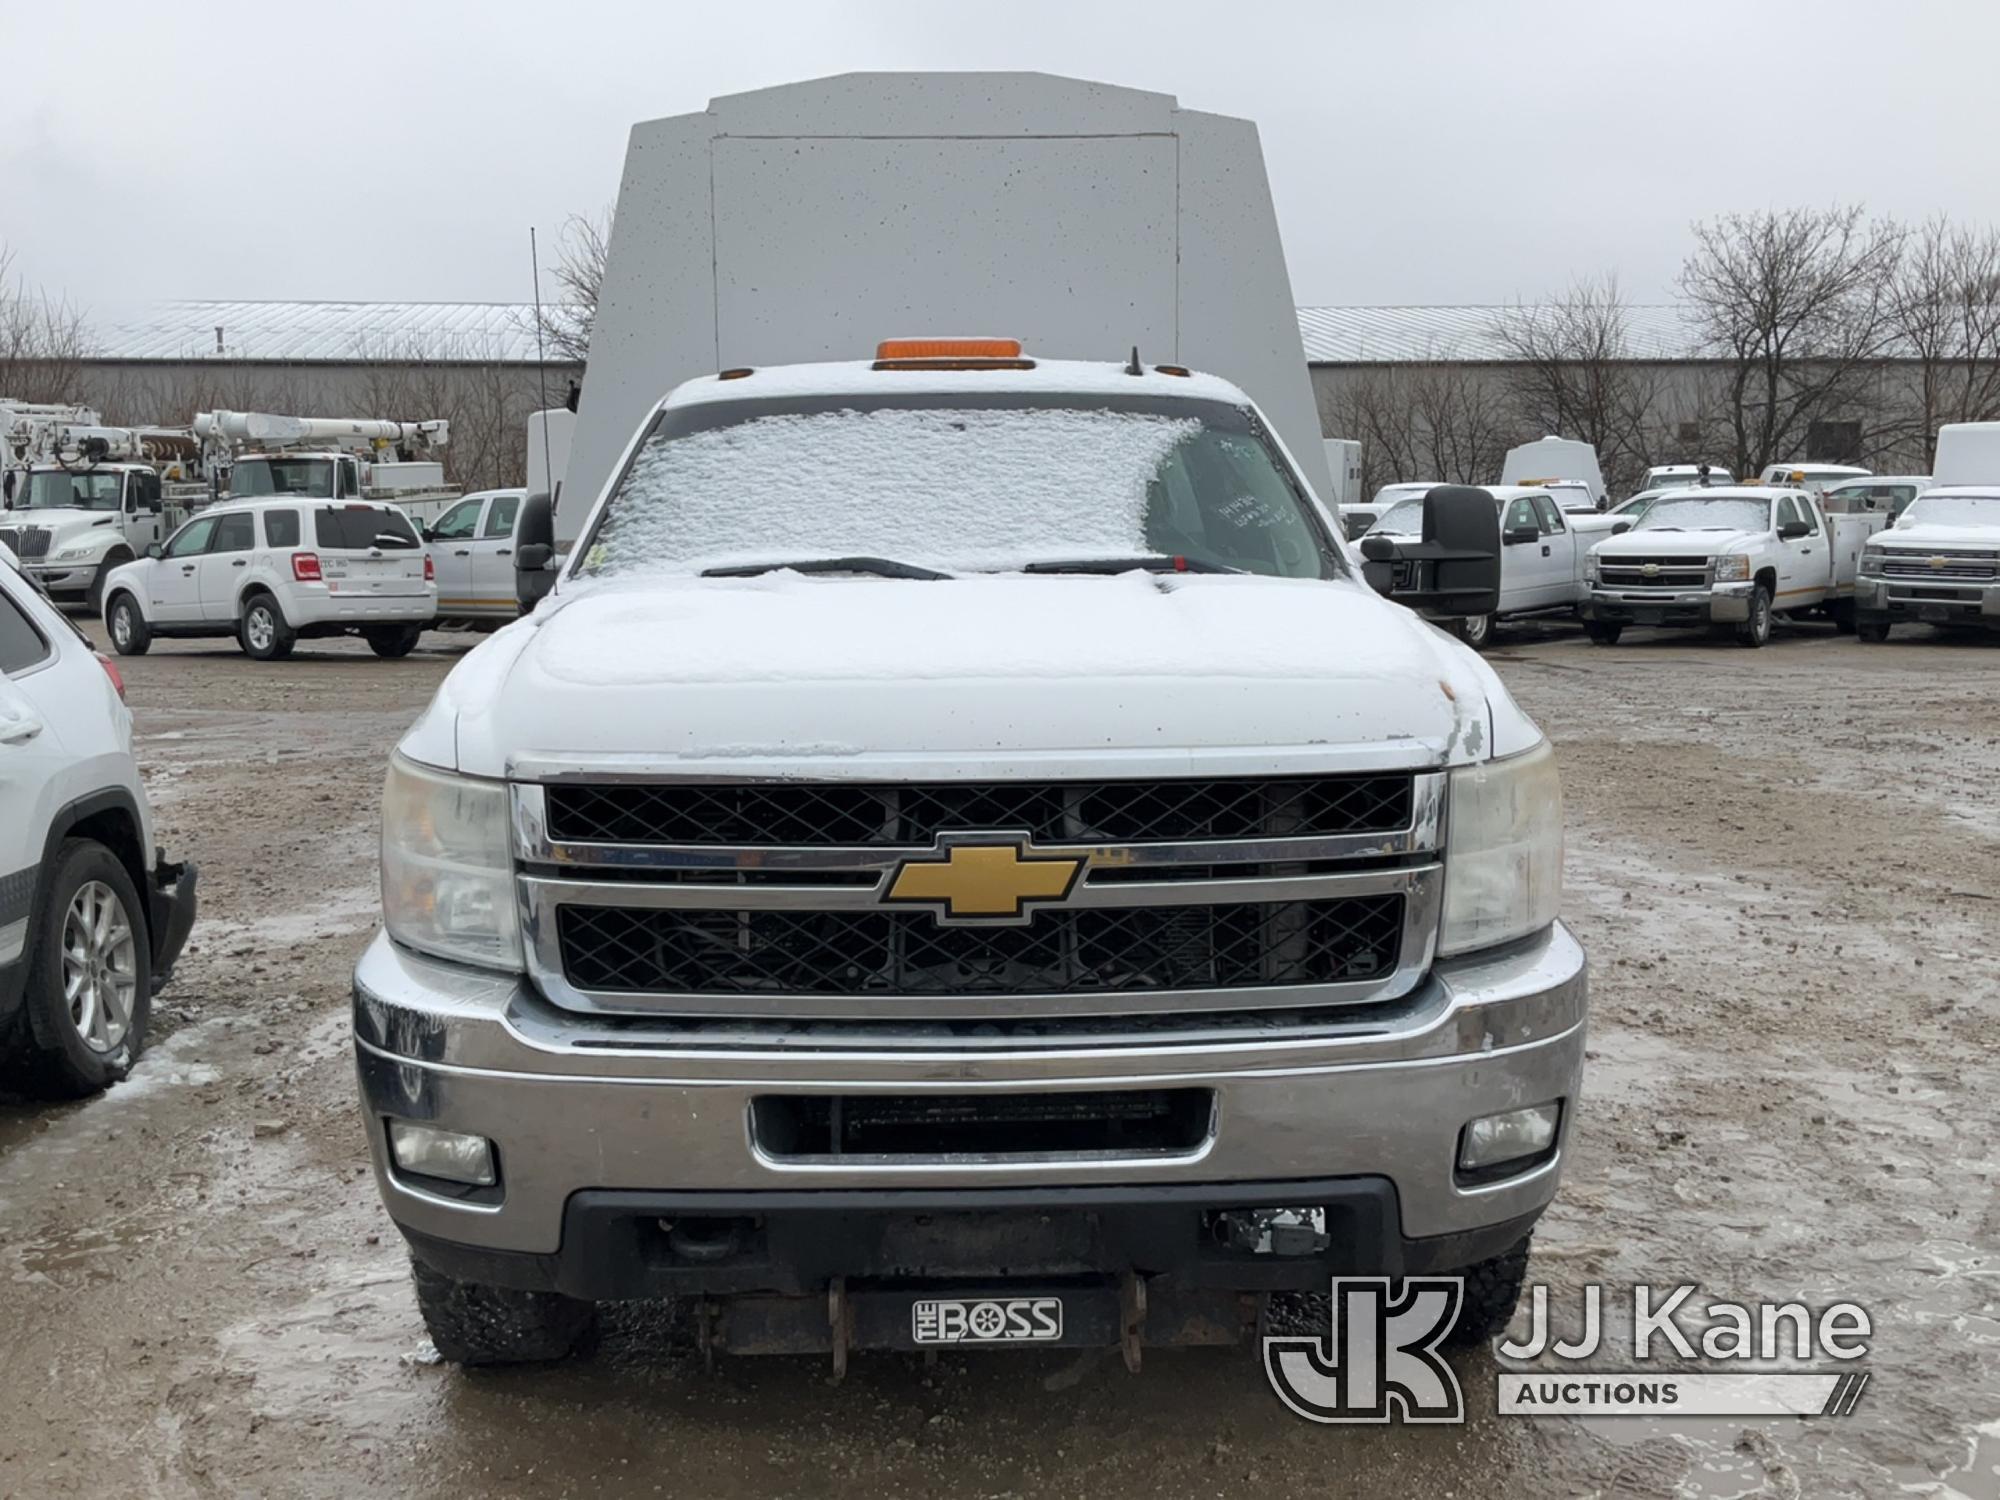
(774, 900)
(26, 541)
(1943, 567)
(1653, 572)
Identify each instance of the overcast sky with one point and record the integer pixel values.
(1422, 151)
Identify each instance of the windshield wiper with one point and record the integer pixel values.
(881, 567)
(1151, 563)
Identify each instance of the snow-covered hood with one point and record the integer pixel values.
(1937, 536)
(1002, 672)
(1678, 543)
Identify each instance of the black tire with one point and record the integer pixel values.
(47, 1055)
(1492, 1291)
(1756, 631)
(1475, 630)
(262, 631)
(117, 557)
(126, 623)
(475, 1324)
(1873, 632)
(393, 641)
(1602, 634)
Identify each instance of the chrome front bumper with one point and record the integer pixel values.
(1721, 602)
(575, 1103)
(1917, 599)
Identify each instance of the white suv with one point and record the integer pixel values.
(91, 919)
(271, 572)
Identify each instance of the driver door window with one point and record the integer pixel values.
(1521, 515)
(192, 538)
(458, 523)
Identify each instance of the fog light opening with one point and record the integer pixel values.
(1504, 1145)
(449, 1155)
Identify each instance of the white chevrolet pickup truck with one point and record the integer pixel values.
(1733, 557)
(1938, 565)
(960, 858)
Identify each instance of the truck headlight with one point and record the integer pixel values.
(1504, 852)
(1732, 569)
(1590, 569)
(1871, 561)
(448, 866)
(71, 554)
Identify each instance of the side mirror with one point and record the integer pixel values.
(1619, 528)
(1454, 570)
(534, 557)
(428, 533)
(1793, 530)
(153, 551)
(1515, 536)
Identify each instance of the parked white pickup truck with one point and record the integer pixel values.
(1733, 557)
(1938, 565)
(71, 526)
(1541, 557)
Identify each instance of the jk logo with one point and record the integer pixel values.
(1380, 1361)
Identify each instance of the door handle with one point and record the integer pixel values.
(241, 562)
(1545, 552)
(461, 552)
(19, 731)
(186, 568)
(503, 552)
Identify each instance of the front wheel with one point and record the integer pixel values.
(1756, 631)
(1602, 634)
(1874, 632)
(393, 641)
(1492, 1291)
(475, 1324)
(130, 635)
(1475, 630)
(83, 1015)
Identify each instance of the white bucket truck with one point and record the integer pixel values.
(960, 859)
(259, 455)
(87, 498)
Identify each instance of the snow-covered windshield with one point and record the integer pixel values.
(1951, 510)
(956, 483)
(53, 489)
(310, 477)
(1404, 518)
(1699, 513)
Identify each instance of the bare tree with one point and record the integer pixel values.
(1945, 307)
(1573, 374)
(44, 341)
(1437, 420)
(1797, 305)
(569, 311)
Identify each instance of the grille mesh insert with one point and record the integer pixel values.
(1072, 951)
(1126, 812)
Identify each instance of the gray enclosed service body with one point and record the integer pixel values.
(811, 221)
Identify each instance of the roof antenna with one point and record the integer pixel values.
(1135, 368)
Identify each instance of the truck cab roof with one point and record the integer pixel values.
(866, 377)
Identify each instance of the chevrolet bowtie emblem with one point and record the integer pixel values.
(1651, 570)
(983, 882)
(1937, 562)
